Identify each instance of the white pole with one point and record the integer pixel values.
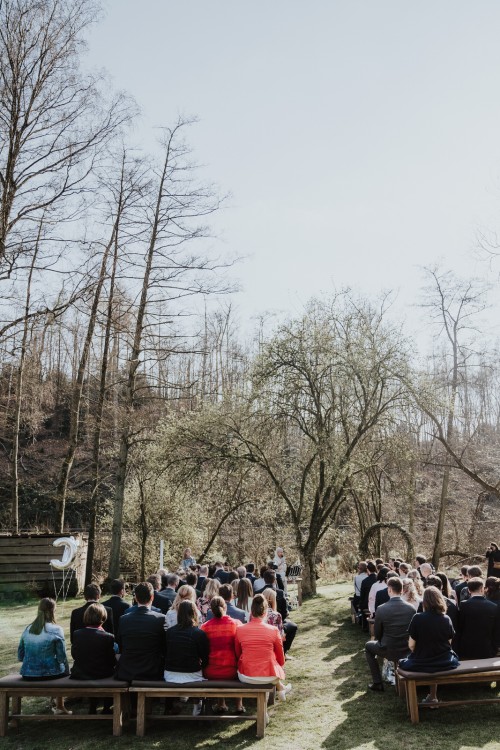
(161, 552)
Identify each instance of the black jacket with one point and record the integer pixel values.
(142, 638)
(478, 628)
(94, 654)
(76, 621)
(187, 649)
(118, 606)
(366, 585)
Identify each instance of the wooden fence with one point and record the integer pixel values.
(25, 565)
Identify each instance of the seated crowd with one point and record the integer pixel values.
(422, 620)
(201, 623)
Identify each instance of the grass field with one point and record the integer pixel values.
(329, 707)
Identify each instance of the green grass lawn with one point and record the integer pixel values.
(328, 708)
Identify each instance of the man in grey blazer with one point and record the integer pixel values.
(392, 620)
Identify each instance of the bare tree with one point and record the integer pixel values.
(167, 270)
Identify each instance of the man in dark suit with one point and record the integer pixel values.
(478, 624)
(364, 590)
(170, 590)
(92, 594)
(160, 601)
(392, 620)
(142, 638)
(221, 574)
(250, 567)
(115, 601)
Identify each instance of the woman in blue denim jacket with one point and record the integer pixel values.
(42, 649)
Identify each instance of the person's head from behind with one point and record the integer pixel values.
(226, 592)
(185, 593)
(270, 578)
(434, 581)
(419, 560)
(476, 586)
(241, 570)
(426, 569)
(173, 581)
(492, 587)
(262, 570)
(117, 587)
(464, 571)
(187, 614)
(92, 592)
(250, 568)
(94, 616)
(394, 586)
(244, 593)
(259, 606)
(144, 593)
(218, 606)
(155, 581)
(212, 588)
(362, 567)
(270, 596)
(232, 576)
(403, 569)
(192, 579)
(445, 588)
(203, 572)
(45, 614)
(382, 574)
(475, 572)
(371, 567)
(434, 601)
(493, 547)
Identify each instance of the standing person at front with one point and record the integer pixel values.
(493, 556)
(391, 631)
(142, 639)
(42, 649)
(259, 649)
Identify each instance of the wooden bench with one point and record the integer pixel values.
(14, 688)
(209, 689)
(472, 671)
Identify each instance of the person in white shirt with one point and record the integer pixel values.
(379, 584)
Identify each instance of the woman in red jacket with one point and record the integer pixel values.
(222, 661)
(259, 649)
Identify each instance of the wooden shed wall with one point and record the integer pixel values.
(24, 563)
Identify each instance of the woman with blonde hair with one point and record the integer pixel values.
(409, 593)
(417, 581)
(184, 594)
(203, 602)
(42, 650)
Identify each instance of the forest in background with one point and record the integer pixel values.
(133, 407)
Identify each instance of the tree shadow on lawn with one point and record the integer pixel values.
(379, 721)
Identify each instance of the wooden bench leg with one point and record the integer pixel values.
(271, 697)
(261, 714)
(117, 715)
(16, 709)
(411, 693)
(4, 712)
(141, 714)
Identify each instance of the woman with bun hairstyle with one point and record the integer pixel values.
(222, 662)
(259, 649)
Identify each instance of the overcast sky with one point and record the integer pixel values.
(359, 139)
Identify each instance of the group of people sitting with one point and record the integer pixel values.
(203, 623)
(422, 620)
